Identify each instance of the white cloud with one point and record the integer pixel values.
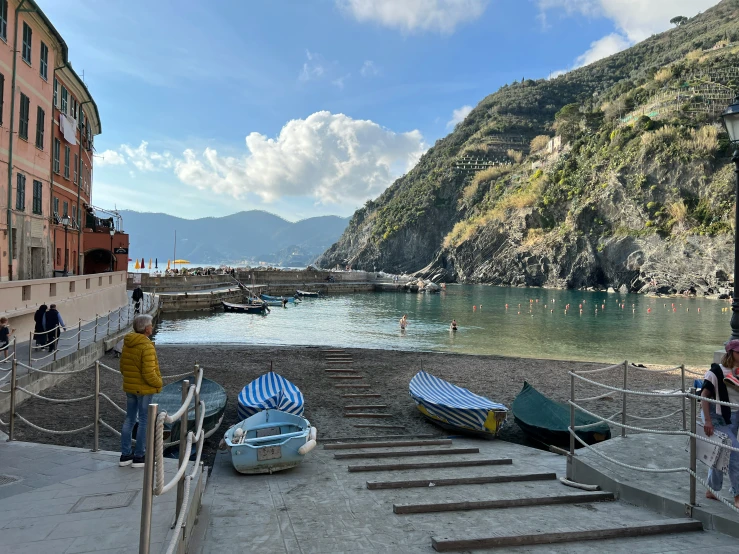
(636, 19)
(332, 157)
(458, 116)
(144, 160)
(339, 81)
(602, 48)
(415, 15)
(313, 68)
(109, 157)
(369, 69)
(555, 74)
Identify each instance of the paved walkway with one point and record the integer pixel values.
(70, 500)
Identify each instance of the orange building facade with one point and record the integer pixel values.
(48, 121)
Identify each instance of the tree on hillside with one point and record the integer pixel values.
(567, 121)
(678, 20)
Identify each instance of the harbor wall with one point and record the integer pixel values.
(77, 297)
(197, 301)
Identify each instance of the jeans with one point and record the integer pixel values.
(716, 478)
(136, 405)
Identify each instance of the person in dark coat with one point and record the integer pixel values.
(52, 322)
(39, 331)
(137, 296)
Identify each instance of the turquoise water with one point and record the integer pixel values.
(689, 334)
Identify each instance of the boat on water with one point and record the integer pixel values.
(270, 391)
(268, 441)
(307, 294)
(547, 421)
(268, 298)
(170, 400)
(251, 308)
(456, 408)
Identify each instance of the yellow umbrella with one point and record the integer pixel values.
(182, 261)
(137, 266)
(149, 263)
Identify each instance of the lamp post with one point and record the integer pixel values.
(731, 122)
(65, 224)
(112, 234)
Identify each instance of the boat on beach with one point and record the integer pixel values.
(547, 421)
(170, 400)
(307, 294)
(270, 391)
(251, 308)
(455, 408)
(268, 441)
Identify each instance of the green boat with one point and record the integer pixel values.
(547, 421)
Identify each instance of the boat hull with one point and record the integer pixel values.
(500, 418)
(268, 298)
(244, 308)
(273, 441)
(308, 294)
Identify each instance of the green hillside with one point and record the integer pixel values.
(639, 195)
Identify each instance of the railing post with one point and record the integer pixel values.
(571, 457)
(11, 423)
(95, 336)
(79, 334)
(197, 397)
(110, 314)
(57, 340)
(96, 434)
(623, 405)
(682, 389)
(693, 449)
(147, 495)
(183, 455)
(30, 349)
(120, 320)
(15, 341)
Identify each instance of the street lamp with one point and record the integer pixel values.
(731, 122)
(112, 234)
(65, 224)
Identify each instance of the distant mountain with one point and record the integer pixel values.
(253, 236)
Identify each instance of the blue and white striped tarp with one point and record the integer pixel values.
(270, 391)
(450, 404)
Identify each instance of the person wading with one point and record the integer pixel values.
(141, 380)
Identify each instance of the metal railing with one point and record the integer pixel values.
(688, 410)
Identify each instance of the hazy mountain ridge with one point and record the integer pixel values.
(253, 235)
(631, 201)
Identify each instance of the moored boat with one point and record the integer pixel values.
(251, 308)
(270, 391)
(269, 441)
(456, 408)
(268, 298)
(170, 400)
(547, 421)
(307, 294)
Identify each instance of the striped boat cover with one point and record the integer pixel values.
(270, 391)
(454, 405)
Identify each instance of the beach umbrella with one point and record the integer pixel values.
(156, 263)
(143, 263)
(149, 263)
(182, 261)
(167, 265)
(137, 266)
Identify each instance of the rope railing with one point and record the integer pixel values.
(686, 397)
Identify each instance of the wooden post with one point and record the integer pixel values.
(623, 406)
(11, 423)
(147, 495)
(183, 455)
(96, 433)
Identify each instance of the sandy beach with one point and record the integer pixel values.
(387, 372)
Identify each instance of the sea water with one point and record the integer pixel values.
(612, 327)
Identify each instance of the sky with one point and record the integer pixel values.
(310, 107)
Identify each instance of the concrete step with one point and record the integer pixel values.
(385, 444)
(406, 453)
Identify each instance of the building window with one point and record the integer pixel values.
(38, 188)
(76, 167)
(52, 286)
(57, 148)
(20, 193)
(56, 211)
(23, 123)
(56, 93)
(81, 122)
(66, 161)
(40, 116)
(66, 209)
(64, 99)
(27, 37)
(74, 214)
(44, 65)
(4, 19)
(72, 107)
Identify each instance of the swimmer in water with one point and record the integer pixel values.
(403, 322)
(453, 326)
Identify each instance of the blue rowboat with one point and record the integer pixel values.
(307, 294)
(251, 308)
(455, 408)
(270, 391)
(268, 298)
(269, 441)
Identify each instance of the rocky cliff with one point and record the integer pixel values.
(617, 174)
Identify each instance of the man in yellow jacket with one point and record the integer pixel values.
(141, 380)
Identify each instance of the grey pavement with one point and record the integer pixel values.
(70, 500)
(321, 507)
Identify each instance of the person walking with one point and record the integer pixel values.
(137, 296)
(141, 380)
(39, 331)
(53, 324)
(722, 418)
